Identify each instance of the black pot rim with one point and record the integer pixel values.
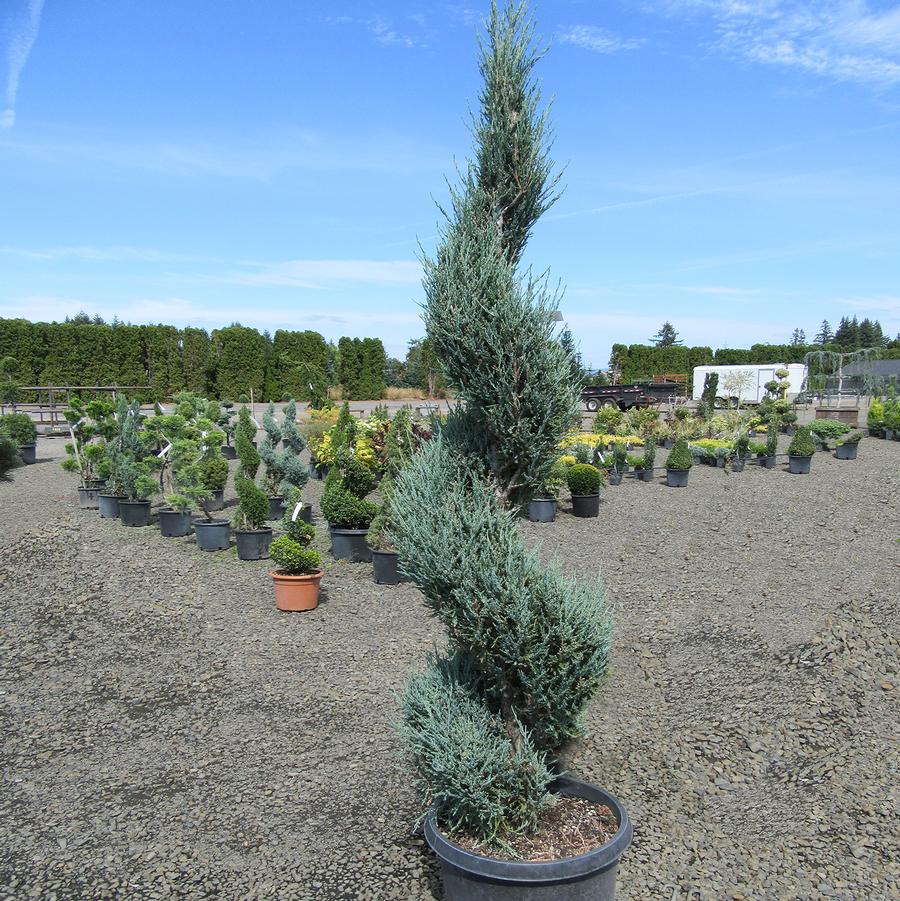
(801, 456)
(118, 497)
(592, 494)
(261, 531)
(171, 510)
(375, 550)
(336, 531)
(671, 469)
(135, 502)
(541, 872)
(209, 522)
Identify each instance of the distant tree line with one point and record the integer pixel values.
(226, 363)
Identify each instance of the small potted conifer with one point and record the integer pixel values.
(88, 425)
(224, 421)
(678, 464)
(285, 474)
(298, 574)
(543, 507)
(346, 509)
(645, 467)
(123, 443)
(767, 460)
(847, 446)
(138, 485)
(741, 452)
(584, 482)
(800, 451)
(19, 428)
(9, 457)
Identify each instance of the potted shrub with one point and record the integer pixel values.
(584, 483)
(875, 417)
(767, 460)
(297, 577)
(19, 428)
(645, 467)
(741, 452)
(800, 451)
(345, 508)
(619, 463)
(85, 454)
(542, 508)
(251, 534)
(193, 472)
(175, 518)
(848, 445)
(9, 457)
(285, 474)
(224, 421)
(892, 419)
(678, 464)
(526, 647)
(138, 485)
(122, 439)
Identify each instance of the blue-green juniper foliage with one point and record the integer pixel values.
(527, 648)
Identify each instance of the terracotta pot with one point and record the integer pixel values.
(296, 592)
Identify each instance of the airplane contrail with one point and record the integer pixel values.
(21, 41)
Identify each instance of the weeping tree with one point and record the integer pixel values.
(527, 648)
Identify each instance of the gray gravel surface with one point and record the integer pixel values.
(167, 733)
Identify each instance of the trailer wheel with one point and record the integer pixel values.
(719, 403)
(610, 404)
(592, 404)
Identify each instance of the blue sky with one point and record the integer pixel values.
(732, 166)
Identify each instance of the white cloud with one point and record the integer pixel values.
(843, 40)
(598, 40)
(22, 37)
(112, 254)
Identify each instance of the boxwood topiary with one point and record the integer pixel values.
(680, 458)
(19, 428)
(802, 444)
(583, 479)
(292, 558)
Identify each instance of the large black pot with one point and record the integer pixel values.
(542, 509)
(213, 534)
(846, 451)
(276, 510)
(384, 567)
(28, 453)
(645, 475)
(109, 505)
(615, 477)
(88, 498)
(174, 523)
(677, 478)
(218, 500)
(587, 877)
(253, 545)
(228, 452)
(799, 465)
(586, 505)
(767, 462)
(134, 513)
(350, 544)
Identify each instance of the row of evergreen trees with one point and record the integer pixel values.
(228, 362)
(851, 334)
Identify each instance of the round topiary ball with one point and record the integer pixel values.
(583, 479)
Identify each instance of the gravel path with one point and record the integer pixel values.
(167, 733)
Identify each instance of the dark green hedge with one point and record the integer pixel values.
(227, 363)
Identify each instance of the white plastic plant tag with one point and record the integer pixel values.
(296, 512)
(253, 420)
(164, 451)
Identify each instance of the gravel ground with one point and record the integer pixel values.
(167, 733)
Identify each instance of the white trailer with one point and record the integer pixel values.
(747, 383)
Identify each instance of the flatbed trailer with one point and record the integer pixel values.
(624, 397)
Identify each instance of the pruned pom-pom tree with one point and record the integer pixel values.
(527, 648)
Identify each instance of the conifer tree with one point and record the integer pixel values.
(527, 648)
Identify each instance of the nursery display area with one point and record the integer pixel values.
(169, 732)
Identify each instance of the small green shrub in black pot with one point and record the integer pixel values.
(542, 507)
(19, 428)
(346, 509)
(800, 451)
(848, 446)
(584, 485)
(678, 464)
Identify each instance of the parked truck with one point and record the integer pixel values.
(746, 384)
(627, 396)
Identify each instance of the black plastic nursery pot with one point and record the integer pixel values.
(615, 477)
(737, 465)
(677, 478)
(799, 465)
(587, 877)
(888, 434)
(276, 509)
(218, 500)
(846, 451)
(586, 505)
(350, 544)
(384, 567)
(88, 498)
(542, 509)
(174, 523)
(213, 534)
(644, 475)
(134, 513)
(253, 545)
(28, 453)
(109, 505)
(767, 462)
(312, 468)
(228, 452)
(321, 471)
